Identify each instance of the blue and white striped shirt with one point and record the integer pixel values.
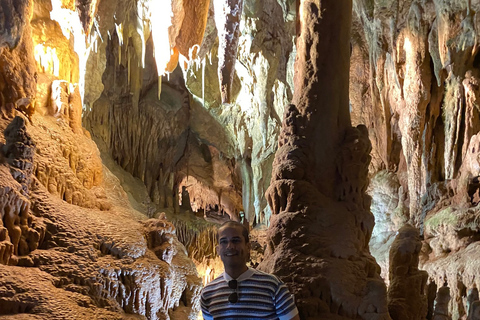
(260, 296)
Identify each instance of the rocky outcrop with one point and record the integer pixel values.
(317, 191)
(87, 261)
(407, 297)
(20, 232)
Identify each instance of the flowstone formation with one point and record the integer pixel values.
(414, 83)
(321, 222)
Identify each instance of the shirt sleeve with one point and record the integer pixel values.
(284, 303)
(206, 314)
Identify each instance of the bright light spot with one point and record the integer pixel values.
(70, 23)
(407, 46)
(47, 59)
(161, 20)
(119, 29)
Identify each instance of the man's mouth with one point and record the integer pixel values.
(231, 254)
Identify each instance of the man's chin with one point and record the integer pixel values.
(233, 260)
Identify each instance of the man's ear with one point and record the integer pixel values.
(217, 248)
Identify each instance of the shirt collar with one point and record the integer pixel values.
(247, 274)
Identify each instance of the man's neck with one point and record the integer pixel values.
(236, 272)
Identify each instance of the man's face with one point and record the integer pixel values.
(232, 248)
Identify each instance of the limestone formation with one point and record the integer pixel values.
(407, 297)
(90, 262)
(227, 20)
(241, 141)
(59, 259)
(413, 82)
(13, 19)
(176, 147)
(441, 304)
(317, 186)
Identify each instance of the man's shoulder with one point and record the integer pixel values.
(215, 282)
(265, 276)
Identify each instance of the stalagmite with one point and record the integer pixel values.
(321, 222)
(406, 293)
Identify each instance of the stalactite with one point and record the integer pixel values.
(227, 18)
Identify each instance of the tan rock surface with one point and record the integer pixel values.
(98, 263)
(321, 223)
(407, 297)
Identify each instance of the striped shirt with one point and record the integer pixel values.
(260, 296)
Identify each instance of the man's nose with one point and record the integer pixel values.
(230, 244)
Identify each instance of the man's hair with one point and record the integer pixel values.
(231, 223)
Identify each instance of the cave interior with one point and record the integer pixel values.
(344, 133)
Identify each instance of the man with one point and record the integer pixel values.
(241, 292)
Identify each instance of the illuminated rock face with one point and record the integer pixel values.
(414, 83)
(226, 150)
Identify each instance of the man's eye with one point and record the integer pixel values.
(223, 241)
(236, 241)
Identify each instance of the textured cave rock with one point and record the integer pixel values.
(192, 29)
(20, 232)
(91, 263)
(13, 19)
(318, 188)
(441, 304)
(407, 297)
(71, 245)
(414, 83)
(229, 149)
(17, 85)
(248, 128)
(227, 20)
(86, 10)
(390, 212)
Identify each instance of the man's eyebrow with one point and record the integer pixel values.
(236, 237)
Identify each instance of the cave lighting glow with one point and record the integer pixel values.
(407, 46)
(71, 25)
(47, 58)
(160, 21)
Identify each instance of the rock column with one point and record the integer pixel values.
(321, 223)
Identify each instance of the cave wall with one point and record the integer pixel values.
(71, 245)
(414, 84)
